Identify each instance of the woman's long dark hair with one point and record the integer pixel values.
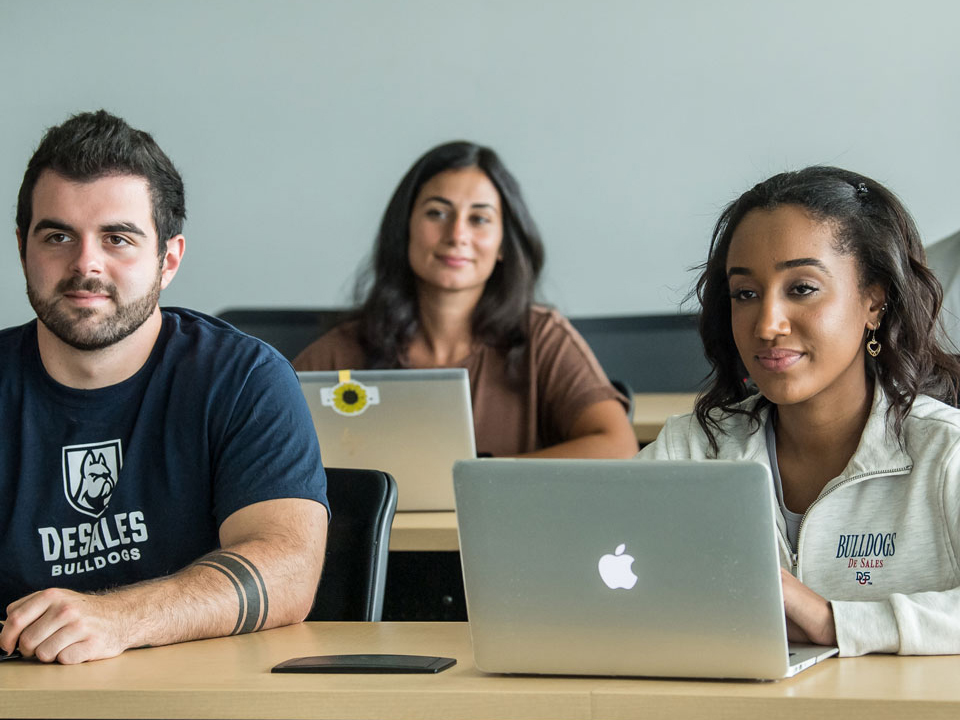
(389, 314)
(869, 223)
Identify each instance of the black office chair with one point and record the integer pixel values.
(624, 389)
(362, 504)
(289, 331)
(652, 353)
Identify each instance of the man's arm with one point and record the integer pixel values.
(265, 575)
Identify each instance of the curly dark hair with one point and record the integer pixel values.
(389, 313)
(92, 145)
(869, 223)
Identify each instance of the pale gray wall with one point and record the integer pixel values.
(629, 124)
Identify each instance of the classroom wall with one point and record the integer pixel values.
(629, 124)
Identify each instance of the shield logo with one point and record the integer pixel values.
(90, 474)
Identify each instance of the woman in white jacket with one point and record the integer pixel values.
(816, 293)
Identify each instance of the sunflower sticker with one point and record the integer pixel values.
(349, 397)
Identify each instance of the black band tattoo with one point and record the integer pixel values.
(250, 587)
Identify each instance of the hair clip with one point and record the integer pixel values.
(862, 189)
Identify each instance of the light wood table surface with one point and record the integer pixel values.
(651, 410)
(230, 678)
(426, 531)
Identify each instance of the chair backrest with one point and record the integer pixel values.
(624, 389)
(289, 331)
(651, 353)
(362, 504)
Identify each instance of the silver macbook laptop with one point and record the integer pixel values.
(411, 423)
(606, 567)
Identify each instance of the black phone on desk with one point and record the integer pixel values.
(376, 663)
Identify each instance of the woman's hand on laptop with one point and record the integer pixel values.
(809, 616)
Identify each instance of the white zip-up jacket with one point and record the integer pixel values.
(881, 542)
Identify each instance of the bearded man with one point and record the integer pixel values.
(160, 471)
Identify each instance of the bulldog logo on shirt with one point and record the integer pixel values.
(90, 474)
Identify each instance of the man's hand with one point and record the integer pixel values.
(809, 616)
(65, 626)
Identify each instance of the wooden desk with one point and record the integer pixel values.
(651, 410)
(230, 678)
(879, 687)
(424, 531)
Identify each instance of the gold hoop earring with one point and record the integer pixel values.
(873, 346)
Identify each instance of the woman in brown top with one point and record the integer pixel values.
(453, 274)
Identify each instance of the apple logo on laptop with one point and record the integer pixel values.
(615, 569)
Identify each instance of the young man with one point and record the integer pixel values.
(160, 471)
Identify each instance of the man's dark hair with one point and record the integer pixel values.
(389, 313)
(870, 224)
(90, 146)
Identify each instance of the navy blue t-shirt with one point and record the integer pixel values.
(101, 488)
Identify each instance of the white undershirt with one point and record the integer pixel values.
(793, 519)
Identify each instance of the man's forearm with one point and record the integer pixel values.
(246, 586)
(253, 600)
(259, 580)
(223, 593)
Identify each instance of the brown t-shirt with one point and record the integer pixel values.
(563, 379)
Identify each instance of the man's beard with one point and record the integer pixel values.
(67, 323)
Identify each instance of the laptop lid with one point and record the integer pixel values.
(622, 568)
(411, 423)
